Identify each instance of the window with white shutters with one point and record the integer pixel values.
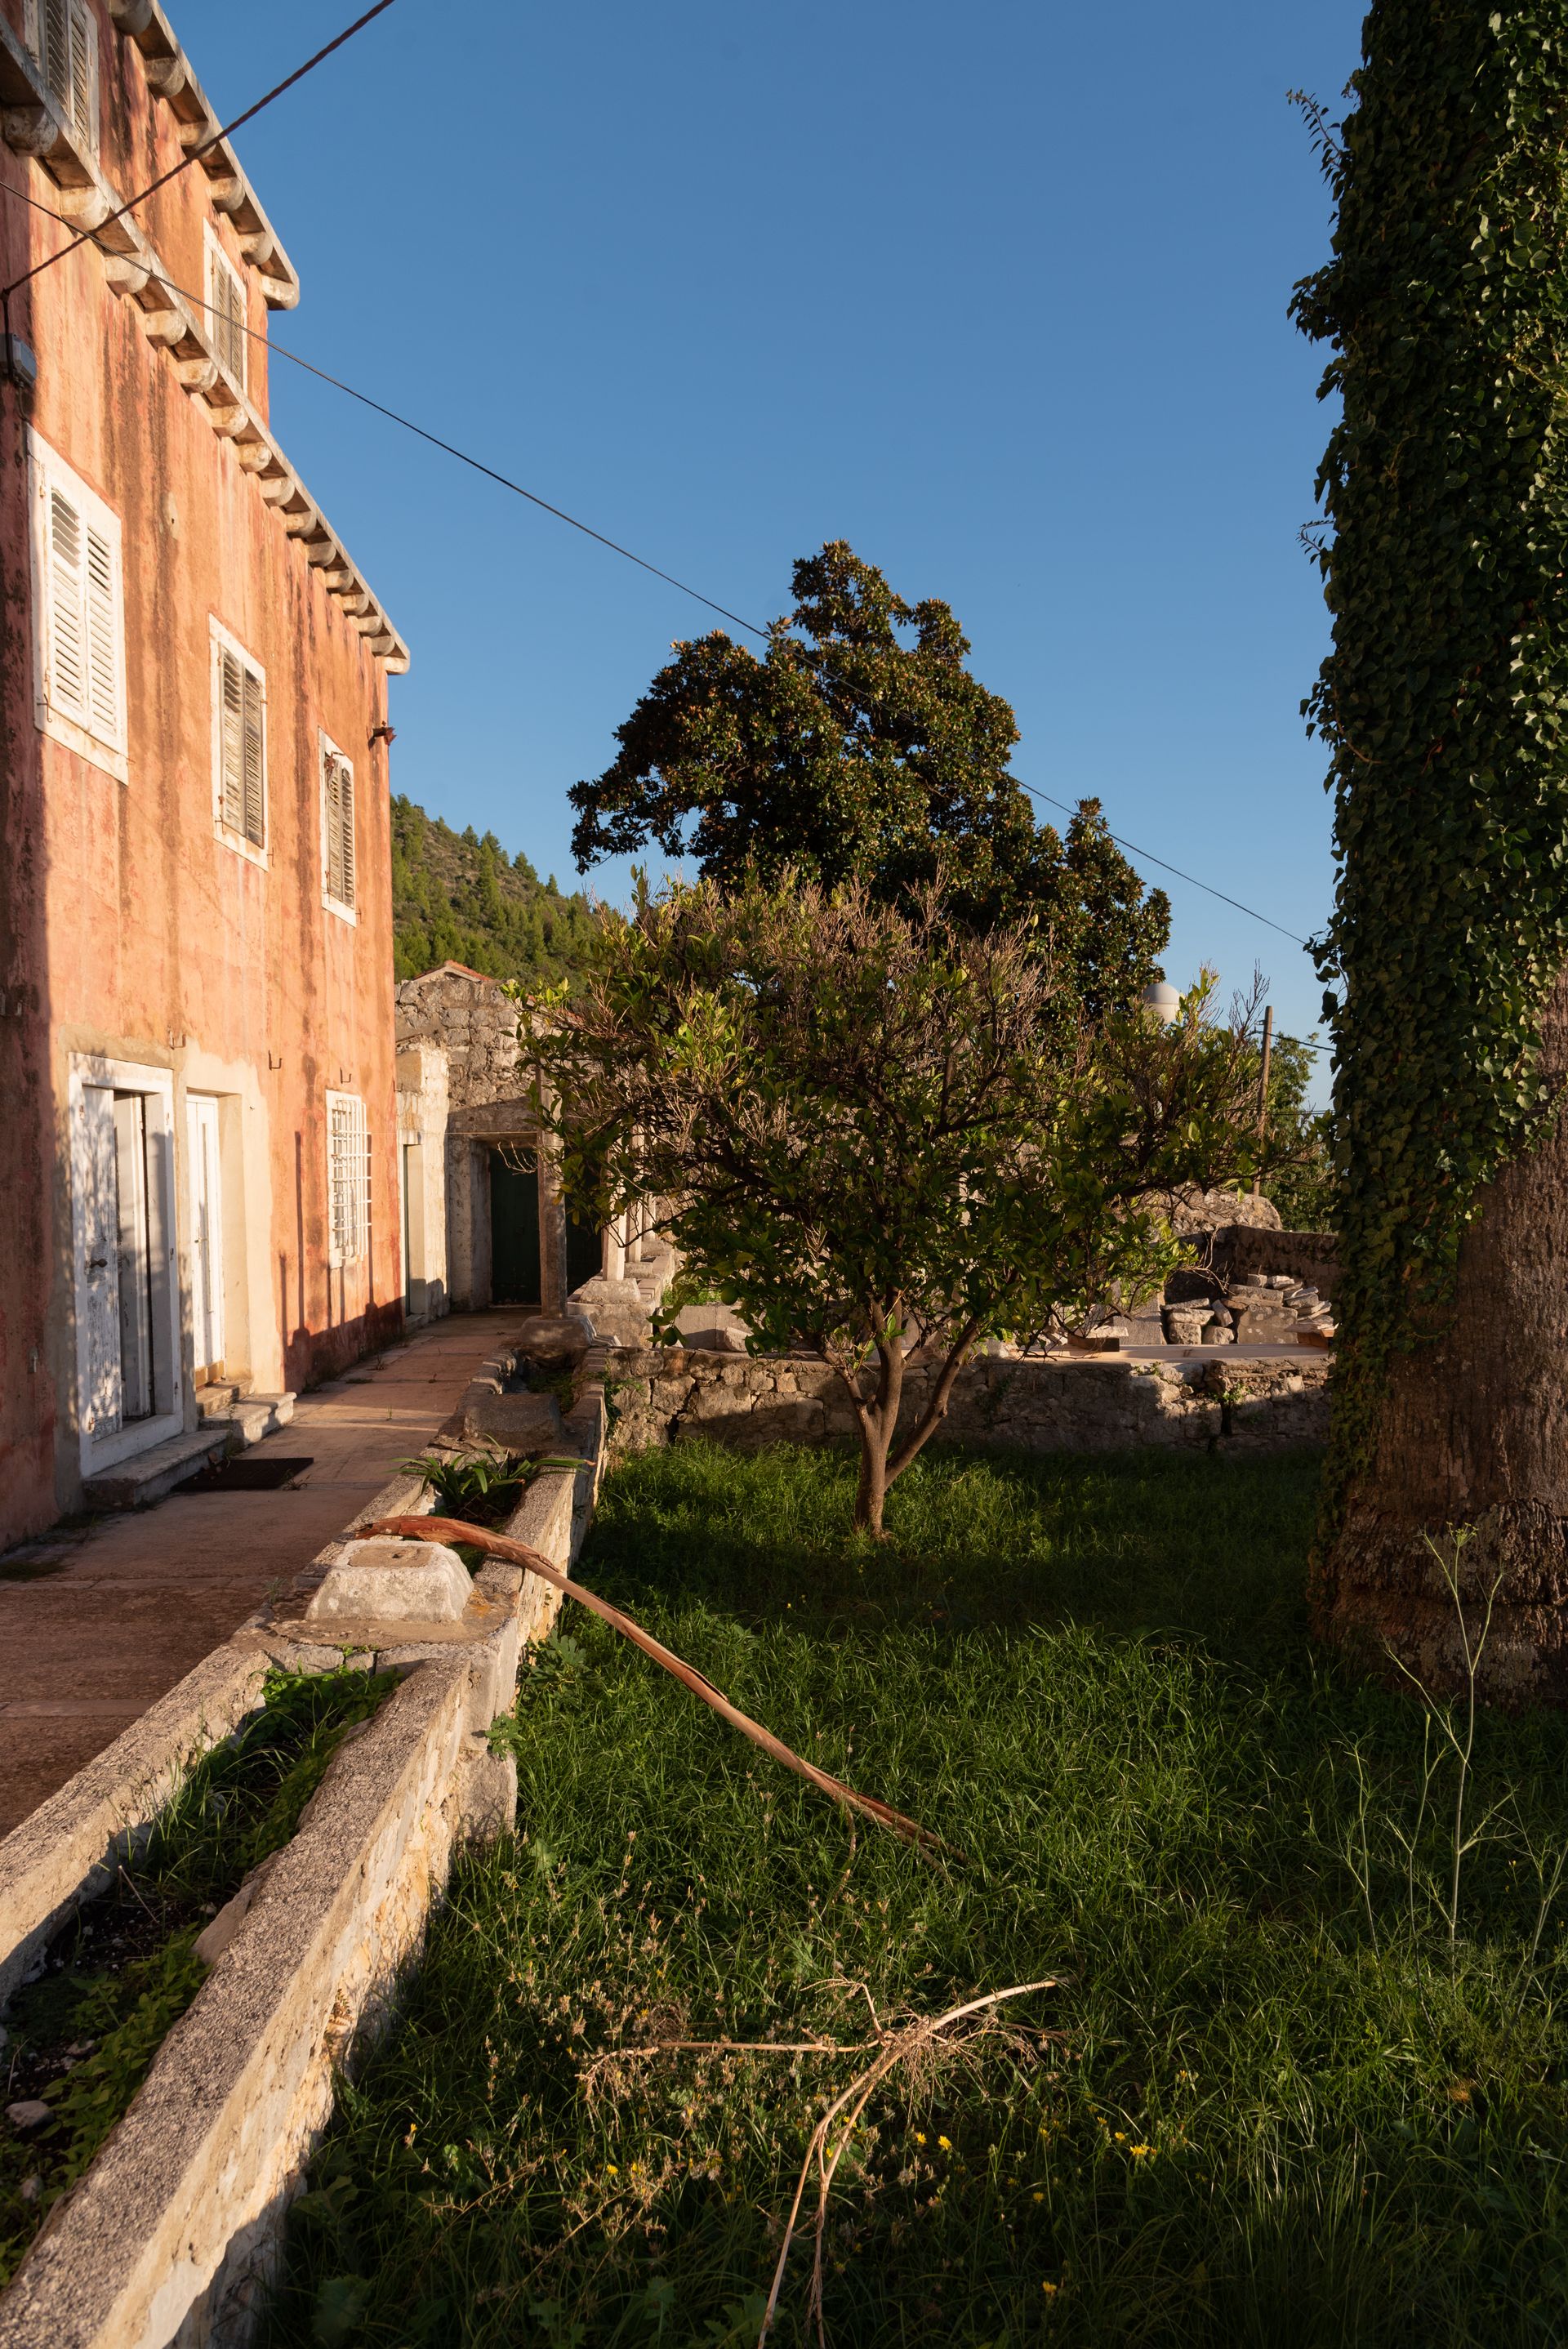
(80, 615)
(348, 1180)
(65, 41)
(238, 743)
(336, 828)
(226, 312)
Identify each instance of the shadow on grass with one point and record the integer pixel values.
(1267, 2104)
(1131, 1543)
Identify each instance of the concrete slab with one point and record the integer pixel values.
(116, 1613)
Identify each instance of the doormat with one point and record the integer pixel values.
(247, 1476)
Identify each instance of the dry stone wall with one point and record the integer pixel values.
(659, 1395)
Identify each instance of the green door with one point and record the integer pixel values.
(584, 1253)
(514, 1228)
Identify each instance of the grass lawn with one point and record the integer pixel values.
(1270, 2103)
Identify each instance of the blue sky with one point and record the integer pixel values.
(998, 293)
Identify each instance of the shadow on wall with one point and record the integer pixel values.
(37, 1336)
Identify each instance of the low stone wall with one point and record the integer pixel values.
(1311, 1258)
(658, 1395)
(171, 2239)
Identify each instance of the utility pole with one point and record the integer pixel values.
(1263, 1090)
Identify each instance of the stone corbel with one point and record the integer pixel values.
(255, 456)
(126, 274)
(198, 374)
(278, 293)
(166, 326)
(166, 76)
(278, 488)
(86, 207)
(302, 522)
(132, 17)
(323, 553)
(224, 412)
(227, 192)
(31, 130)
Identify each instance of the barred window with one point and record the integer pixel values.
(348, 1180)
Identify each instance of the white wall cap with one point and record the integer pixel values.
(388, 1580)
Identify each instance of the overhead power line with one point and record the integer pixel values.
(1191, 879)
(206, 147)
(504, 482)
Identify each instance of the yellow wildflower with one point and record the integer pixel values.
(945, 2142)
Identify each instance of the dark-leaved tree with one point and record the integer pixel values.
(859, 746)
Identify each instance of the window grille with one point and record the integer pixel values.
(348, 1179)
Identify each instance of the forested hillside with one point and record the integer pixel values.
(459, 898)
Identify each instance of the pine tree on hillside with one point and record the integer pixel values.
(456, 898)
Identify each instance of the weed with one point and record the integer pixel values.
(1263, 2109)
(482, 1488)
(84, 2036)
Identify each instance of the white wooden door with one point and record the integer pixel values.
(135, 1248)
(206, 1232)
(97, 1191)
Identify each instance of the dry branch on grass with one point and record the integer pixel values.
(908, 2043)
(450, 1529)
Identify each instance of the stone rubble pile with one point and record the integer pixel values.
(1266, 1309)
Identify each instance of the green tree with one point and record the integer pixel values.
(874, 1131)
(860, 745)
(1444, 703)
(1301, 1181)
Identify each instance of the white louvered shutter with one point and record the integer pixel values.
(66, 662)
(339, 817)
(253, 762)
(226, 298)
(346, 822)
(68, 55)
(103, 637)
(231, 741)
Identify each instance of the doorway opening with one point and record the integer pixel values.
(514, 1226)
(206, 1237)
(122, 1182)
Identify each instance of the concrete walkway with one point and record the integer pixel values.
(97, 1623)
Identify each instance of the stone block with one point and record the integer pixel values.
(391, 1581)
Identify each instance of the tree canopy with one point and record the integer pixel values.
(861, 746)
(876, 1131)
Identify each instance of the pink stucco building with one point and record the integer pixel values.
(198, 1169)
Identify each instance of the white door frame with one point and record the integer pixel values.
(204, 1149)
(157, 1086)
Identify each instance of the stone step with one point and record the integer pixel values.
(256, 1415)
(217, 1400)
(150, 1475)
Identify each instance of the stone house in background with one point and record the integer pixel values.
(484, 1220)
(198, 1155)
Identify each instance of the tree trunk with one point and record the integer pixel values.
(1473, 1433)
(877, 1421)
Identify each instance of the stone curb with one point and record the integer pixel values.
(171, 2239)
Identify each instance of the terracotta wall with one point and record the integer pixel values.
(127, 927)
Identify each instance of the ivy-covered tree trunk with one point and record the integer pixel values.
(1472, 1431)
(1445, 701)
